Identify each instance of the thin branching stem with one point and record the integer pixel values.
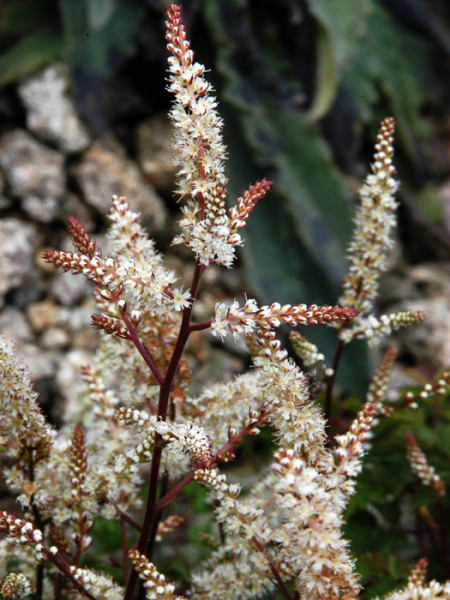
(331, 380)
(143, 351)
(148, 529)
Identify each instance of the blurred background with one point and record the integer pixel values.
(302, 87)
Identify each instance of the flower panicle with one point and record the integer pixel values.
(421, 468)
(375, 219)
(81, 240)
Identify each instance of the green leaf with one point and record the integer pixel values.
(29, 54)
(27, 16)
(340, 28)
(383, 75)
(96, 35)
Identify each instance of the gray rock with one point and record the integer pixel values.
(14, 324)
(17, 248)
(155, 152)
(34, 173)
(69, 289)
(50, 112)
(105, 171)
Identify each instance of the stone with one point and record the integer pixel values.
(14, 324)
(155, 152)
(42, 314)
(17, 247)
(105, 171)
(34, 173)
(70, 289)
(50, 112)
(54, 338)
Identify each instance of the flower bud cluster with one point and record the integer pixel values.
(15, 585)
(189, 439)
(305, 350)
(82, 241)
(378, 385)
(419, 573)
(104, 400)
(351, 446)
(420, 467)
(441, 387)
(98, 584)
(245, 320)
(245, 204)
(374, 330)
(168, 525)
(23, 533)
(155, 584)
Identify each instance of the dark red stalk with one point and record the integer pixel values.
(148, 530)
(134, 337)
(332, 379)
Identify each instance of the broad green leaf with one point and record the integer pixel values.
(340, 27)
(382, 74)
(27, 16)
(29, 54)
(94, 40)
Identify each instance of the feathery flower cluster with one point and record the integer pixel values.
(420, 466)
(374, 222)
(155, 584)
(98, 584)
(189, 438)
(15, 585)
(22, 424)
(312, 527)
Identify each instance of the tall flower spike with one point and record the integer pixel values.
(374, 222)
(199, 149)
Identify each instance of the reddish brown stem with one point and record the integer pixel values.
(123, 533)
(134, 337)
(200, 326)
(148, 530)
(332, 379)
(214, 459)
(281, 585)
(63, 567)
